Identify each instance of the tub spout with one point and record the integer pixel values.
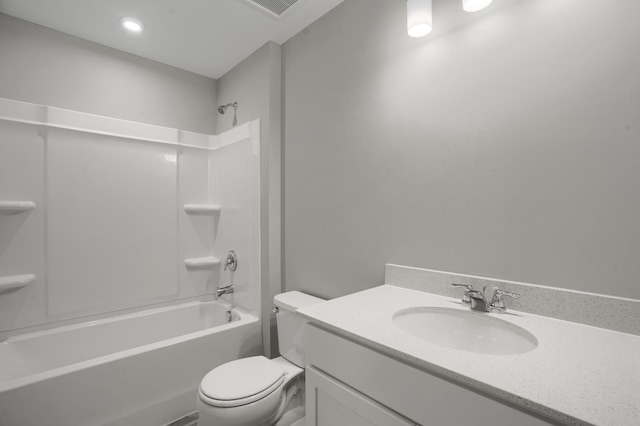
(224, 290)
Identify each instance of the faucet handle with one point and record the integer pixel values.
(231, 262)
(466, 298)
(497, 305)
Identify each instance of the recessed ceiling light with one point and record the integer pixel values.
(132, 24)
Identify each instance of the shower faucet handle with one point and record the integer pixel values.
(231, 262)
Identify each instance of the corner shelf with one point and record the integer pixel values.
(201, 262)
(15, 207)
(202, 209)
(15, 282)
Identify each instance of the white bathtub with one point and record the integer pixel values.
(136, 369)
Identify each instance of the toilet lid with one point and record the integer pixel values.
(241, 381)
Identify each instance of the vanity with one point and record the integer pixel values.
(393, 355)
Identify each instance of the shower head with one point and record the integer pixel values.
(223, 108)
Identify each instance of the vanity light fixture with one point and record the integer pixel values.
(132, 24)
(419, 17)
(475, 5)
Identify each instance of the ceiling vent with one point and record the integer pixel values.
(274, 7)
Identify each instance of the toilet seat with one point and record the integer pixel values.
(241, 382)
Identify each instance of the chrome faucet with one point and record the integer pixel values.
(224, 290)
(497, 305)
(466, 298)
(477, 300)
(231, 262)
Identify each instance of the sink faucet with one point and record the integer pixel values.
(466, 299)
(477, 300)
(224, 290)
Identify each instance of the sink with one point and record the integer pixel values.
(465, 330)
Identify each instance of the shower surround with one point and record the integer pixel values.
(101, 218)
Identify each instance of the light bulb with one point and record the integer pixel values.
(419, 18)
(132, 24)
(475, 5)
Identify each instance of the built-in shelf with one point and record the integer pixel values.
(15, 282)
(15, 207)
(201, 262)
(202, 209)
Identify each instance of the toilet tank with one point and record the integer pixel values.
(291, 325)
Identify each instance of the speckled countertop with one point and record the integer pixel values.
(578, 374)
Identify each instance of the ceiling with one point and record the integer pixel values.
(207, 37)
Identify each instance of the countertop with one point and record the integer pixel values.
(578, 374)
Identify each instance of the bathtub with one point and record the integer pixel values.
(137, 369)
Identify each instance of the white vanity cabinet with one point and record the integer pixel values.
(333, 403)
(348, 384)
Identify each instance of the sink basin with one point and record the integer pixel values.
(465, 330)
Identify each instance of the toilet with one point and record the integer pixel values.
(258, 391)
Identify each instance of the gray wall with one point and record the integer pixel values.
(43, 66)
(506, 144)
(256, 84)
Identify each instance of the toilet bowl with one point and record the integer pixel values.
(257, 391)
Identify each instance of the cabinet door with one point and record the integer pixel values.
(331, 403)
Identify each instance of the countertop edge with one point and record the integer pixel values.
(511, 399)
(492, 392)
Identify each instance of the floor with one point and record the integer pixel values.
(190, 420)
(291, 418)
